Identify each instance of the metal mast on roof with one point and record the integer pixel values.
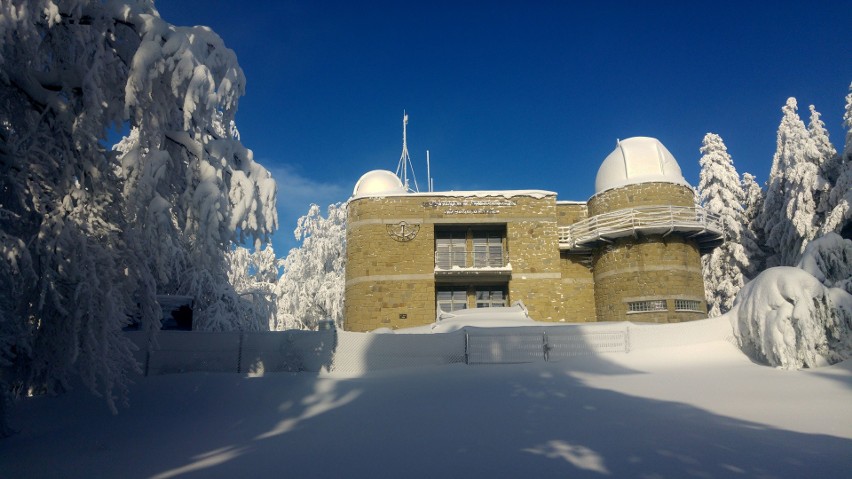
(404, 159)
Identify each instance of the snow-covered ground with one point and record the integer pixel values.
(689, 411)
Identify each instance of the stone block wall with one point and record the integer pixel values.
(648, 268)
(645, 194)
(578, 289)
(578, 284)
(390, 274)
(391, 280)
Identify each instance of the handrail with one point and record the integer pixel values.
(640, 219)
(470, 259)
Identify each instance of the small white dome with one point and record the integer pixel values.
(638, 160)
(378, 183)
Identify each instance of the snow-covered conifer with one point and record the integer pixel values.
(789, 217)
(720, 193)
(752, 238)
(788, 319)
(312, 286)
(827, 159)
(839, 217)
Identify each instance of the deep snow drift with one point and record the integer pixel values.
(799, 317)
(701, 410)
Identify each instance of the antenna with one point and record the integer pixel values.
(404, 158)
(428, 173)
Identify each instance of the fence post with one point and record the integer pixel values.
(148, 348)
(466, 344)
(240, 354)
(545, 346)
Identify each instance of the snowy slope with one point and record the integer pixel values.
(699, 410)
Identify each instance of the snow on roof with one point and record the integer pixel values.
(537, 194)
(378, 183)
(381, 183)
(638, 160)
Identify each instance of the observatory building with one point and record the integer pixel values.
(632, 252)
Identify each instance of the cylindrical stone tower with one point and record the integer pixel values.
(647, 237)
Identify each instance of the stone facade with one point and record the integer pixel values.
(578, 284)
(391, 276)
(632, 252)
(645, 270)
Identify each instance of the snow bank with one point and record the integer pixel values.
(788, 318)
(515, 315)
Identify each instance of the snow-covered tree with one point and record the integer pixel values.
(254, 276)
(789, 217)
(826, 155)
(752, 237)
(788, 319)
(800, 317)
(60, 219)
(192, 188)
(720, 192)
(829, 259)
(312, 286)
(88, 235)
(839, 217)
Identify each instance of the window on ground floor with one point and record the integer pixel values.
(646, 306)
(456, 297)
(451, 299)
(490, 297)
(688, 305)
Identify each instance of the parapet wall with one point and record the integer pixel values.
(645, 194)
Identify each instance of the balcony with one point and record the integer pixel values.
(693, 222)
(466, 263)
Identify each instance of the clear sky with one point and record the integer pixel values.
(512, 95)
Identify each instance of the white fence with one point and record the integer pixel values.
(347, 352)
(234, 352)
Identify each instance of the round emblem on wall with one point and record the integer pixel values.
(403, 231)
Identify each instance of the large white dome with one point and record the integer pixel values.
(378, 183)
(638, 160)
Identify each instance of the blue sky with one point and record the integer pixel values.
(508, 95)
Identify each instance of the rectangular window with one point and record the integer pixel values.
(646, 306)
(688, 305)
(450, 249)
(490, 296)
(488, 249)
(451, 299)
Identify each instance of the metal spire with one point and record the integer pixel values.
(405, 159)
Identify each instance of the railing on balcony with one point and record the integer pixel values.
(696, 221)
(471, 260)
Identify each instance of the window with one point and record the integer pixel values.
(646, 306)
(688, 305)
(488, 249)
(451, 299)
(470, 246)
(490, 296)
(450, 249)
